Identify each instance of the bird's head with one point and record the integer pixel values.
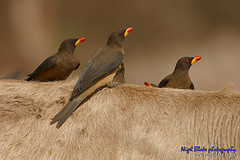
(117, 38)
(185, 63)
(69, 45)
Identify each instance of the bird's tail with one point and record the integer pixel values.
(69, 108)
(73, 104)
(58, 116)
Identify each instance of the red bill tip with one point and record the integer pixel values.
(198, 58)
(147, 84)
(82, 39)
(129, 29)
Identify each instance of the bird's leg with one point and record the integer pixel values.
(113, 84)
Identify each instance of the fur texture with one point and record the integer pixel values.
(125, 122)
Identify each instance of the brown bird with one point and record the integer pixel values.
(60, 65)
(179, 78)
(99, 72)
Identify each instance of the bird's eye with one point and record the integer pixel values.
(188, 61)
(120, 34)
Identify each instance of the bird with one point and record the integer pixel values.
(60, 65)
(179, 78)
(99, 72)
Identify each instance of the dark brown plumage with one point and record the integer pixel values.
(179, 78)
(60, 65)
(100, 71)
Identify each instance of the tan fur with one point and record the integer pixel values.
(124, 122)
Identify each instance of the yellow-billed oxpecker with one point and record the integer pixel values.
(99, 72)
(60, 65)
(180, 77)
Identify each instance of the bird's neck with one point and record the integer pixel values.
(66, 50)
(181, 71)
(115, 45)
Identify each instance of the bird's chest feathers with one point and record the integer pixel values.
(181, 81)
(67, 63)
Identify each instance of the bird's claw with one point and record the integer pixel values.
(111, 85)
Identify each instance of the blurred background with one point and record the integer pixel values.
(164, 31)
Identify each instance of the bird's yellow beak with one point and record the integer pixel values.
(80, 40)
(128, 30)
(195, 59)
(147, 84)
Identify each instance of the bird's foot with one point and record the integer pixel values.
(113, 84)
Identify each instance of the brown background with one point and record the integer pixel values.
(164, 31)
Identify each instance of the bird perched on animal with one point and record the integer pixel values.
(60, 65)
(180, 77)
(99, 72)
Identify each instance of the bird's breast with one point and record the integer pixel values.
(179, 81)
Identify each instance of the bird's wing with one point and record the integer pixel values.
(192, 86)
(99, 66)
(164, 81)
(44, 66)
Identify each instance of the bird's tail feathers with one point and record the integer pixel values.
(72, 106)
(58, 116)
